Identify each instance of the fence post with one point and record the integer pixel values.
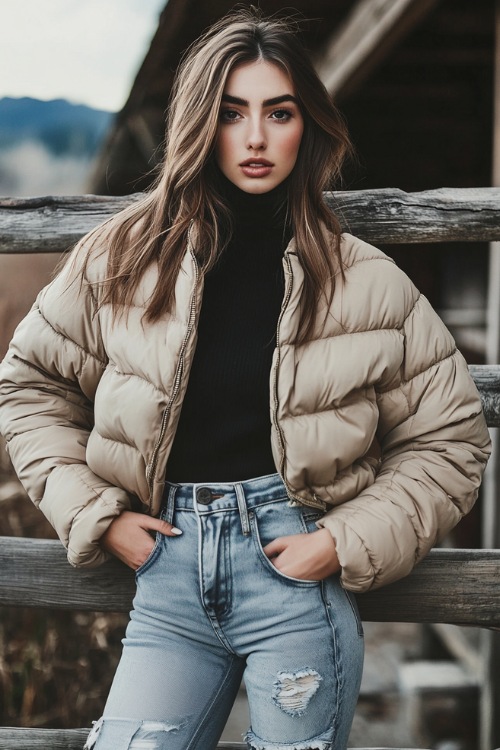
(489, 713)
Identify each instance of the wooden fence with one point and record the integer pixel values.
(450, 586)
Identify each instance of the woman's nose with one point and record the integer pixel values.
(256, 137)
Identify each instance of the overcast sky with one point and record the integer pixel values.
(86, 51)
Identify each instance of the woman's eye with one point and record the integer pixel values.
(282, 115)
(229, 115)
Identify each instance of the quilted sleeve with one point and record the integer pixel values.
(434, 448)
(47, 384)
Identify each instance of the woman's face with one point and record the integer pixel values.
(260, 127)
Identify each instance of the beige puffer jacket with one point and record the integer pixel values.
(89, 409)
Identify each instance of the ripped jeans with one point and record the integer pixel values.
(210, 607)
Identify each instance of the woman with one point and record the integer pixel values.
(377, 442)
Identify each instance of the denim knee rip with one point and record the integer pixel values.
(292, 691)
(322, 742)
(133, 734)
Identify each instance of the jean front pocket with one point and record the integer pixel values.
(263, 537)
(354, 606)
(154, 554)
(151, 557)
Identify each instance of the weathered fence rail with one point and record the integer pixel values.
(12, 738)
(449, 586)
(73, 739)
(53, 224)
(487, 379)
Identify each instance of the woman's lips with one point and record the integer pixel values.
(256, 167)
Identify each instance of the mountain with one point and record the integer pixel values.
(64, 129)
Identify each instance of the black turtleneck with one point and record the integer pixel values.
(224, 428)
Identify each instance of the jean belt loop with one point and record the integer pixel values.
(170, 505)
(242, 507)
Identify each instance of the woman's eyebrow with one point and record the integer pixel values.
(266, 103)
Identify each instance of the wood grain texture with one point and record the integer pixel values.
(73, 739)
(54, 224)
(12, 738)
(487, 380)
(455, 586)
(390, 215)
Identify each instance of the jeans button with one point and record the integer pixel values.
(203, 495)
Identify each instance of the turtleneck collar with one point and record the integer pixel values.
(251, 210)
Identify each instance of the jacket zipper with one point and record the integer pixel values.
(288, 293)
(151, 469)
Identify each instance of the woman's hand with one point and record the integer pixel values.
(309, 556)
(128, 537)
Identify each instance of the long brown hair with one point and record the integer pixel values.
(185, 190)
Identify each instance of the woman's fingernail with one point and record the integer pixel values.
(175, 531)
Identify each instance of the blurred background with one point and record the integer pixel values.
(83, 94)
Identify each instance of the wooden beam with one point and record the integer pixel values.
(496, 99)
(13, 738)
(54, 224)
(365, 39)
(455, 640)
(133, 137)
(141, 132)
(489, 714)
(493, 312)
(487, 380)
(456, 586)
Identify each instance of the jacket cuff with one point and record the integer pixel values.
(357, 571)
(80, 506)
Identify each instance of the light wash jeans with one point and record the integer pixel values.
(210, 607)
